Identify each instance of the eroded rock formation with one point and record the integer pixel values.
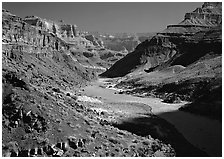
(167, 45)
(187, 60)
(19, 35)
(205, 17)
(67, 32)
(41, 115)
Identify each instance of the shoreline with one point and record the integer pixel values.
(191, 126)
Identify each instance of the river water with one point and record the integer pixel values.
(204, 133)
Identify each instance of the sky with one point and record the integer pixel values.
(110, 17)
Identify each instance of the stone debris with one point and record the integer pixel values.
(88, 99)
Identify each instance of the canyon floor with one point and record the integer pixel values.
(198, 130)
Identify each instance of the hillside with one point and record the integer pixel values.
(42, 115)
(85, 49)
(54, 104)
(165, 45)
(183, 62)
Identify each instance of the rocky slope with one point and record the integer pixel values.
(41, 111)
(166, 44)
(22, 41)
(82, 47)
(186, 57)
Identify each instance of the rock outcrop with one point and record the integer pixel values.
(187, 60)
(36, 35)
(20, 39)
(205, 17)
(41, 116)
(20, 36)
(67, 32)
(167, 45)
(59, 28)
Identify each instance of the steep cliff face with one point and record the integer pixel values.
(18, 35)
(167, 47)
(67, 32)
(58, 28)
(205, 17)
(22, 42)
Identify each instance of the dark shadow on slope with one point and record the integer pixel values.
(164, 131)
(209, 104)
(209, 133)
(123, 66)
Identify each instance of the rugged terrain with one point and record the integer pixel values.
(183, 62)
(83, 47)
(43, 112)
(175, 42)
(47, 65)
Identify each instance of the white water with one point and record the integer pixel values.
(202, 132)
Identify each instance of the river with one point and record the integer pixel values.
(202, 132)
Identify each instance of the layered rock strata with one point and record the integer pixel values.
(167, 45)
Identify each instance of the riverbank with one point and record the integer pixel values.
(202, 132)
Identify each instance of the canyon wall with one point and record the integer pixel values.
(67, 32)
(166, 46)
